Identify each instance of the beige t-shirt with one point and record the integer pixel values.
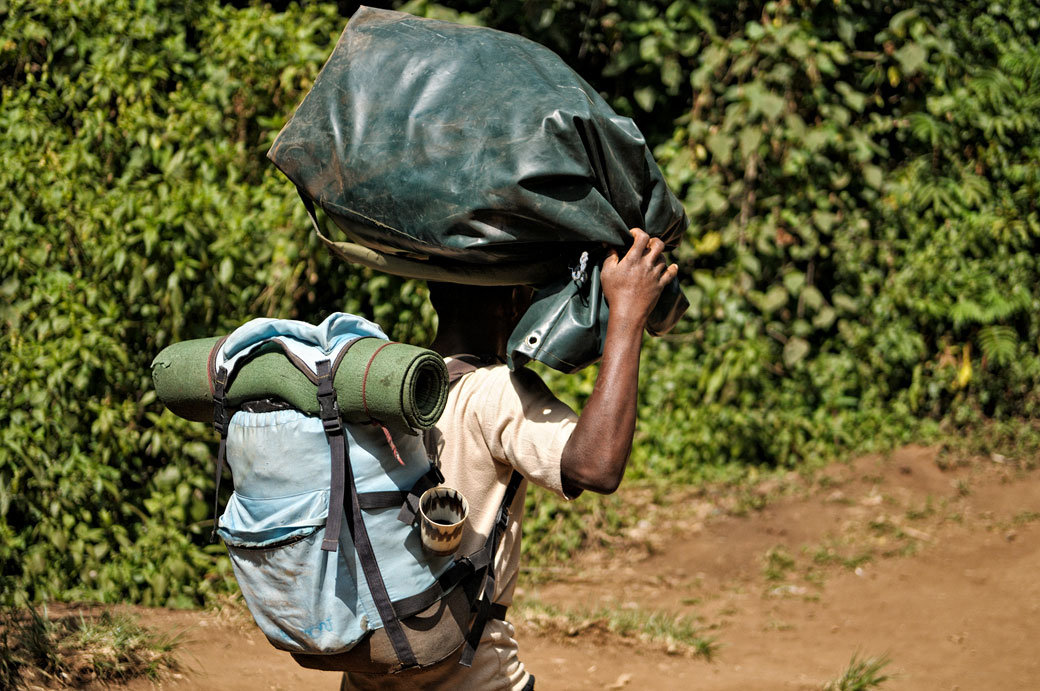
(494, 421)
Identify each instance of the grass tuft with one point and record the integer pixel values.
(78, 650)
(861, 674)
(675, 634)
(778, 562)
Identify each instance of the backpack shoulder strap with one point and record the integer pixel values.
(481, 561)
(465, 363)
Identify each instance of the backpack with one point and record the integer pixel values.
(321, 527)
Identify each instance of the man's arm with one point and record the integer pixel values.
(597, 452)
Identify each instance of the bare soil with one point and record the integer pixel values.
(931, 561)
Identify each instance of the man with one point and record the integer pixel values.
(496, 421)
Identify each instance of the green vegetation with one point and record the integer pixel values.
(75, 651)
(861, 675)
(831, 553)
(140, 212)
(862, 180)
(676, 634)
(778, 562)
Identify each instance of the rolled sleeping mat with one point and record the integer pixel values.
(401, 386)
(181, 376)
(394, 383)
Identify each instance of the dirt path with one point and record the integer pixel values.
(935, 566)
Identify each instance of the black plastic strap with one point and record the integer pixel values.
(413, 604)
(463, 573)
(461, 365)
(329, 410)
(410, 499)
(221, 420)
(466, 566)
(373, 577)
(484, 605)
(373, 501)
(480, 619)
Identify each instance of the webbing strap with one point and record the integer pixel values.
(329, 410)
(342, 476)
(465, 566)
(410, 500)
(485, 604)
(463, 569)
(413, 604)
(220, 424)
(373, 501)
(499, 612)
(376, 585)
(464, 364)
(483, 559)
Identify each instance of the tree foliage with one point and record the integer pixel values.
(139, 210)
(861, 176)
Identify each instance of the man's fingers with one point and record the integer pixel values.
(639, 242)
(656, 246)
(669, 274)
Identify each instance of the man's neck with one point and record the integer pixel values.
(473, 336)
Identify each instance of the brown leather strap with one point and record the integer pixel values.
(465, 363)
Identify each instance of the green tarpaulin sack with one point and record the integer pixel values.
(468, 155)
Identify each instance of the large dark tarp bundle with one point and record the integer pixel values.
(470, 155)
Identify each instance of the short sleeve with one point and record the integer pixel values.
(526, 426)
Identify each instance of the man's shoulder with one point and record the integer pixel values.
(499, 379)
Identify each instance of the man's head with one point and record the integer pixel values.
(472, 318)
(500, 304)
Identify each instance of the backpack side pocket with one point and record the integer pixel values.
(304, 599)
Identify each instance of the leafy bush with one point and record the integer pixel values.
(862, 180)
(142, 212)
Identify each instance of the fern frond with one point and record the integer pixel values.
(973, 189)
(998, 343)
(967, 312)
(1022, 63)
(925, 128)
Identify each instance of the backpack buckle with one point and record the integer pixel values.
(329, 411)
(220, 416)
(328, 406)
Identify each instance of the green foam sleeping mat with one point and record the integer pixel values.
(405, 388)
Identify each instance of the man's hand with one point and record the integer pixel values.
(597, 452)
(633, 283)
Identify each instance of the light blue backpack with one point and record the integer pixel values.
(321, 526)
